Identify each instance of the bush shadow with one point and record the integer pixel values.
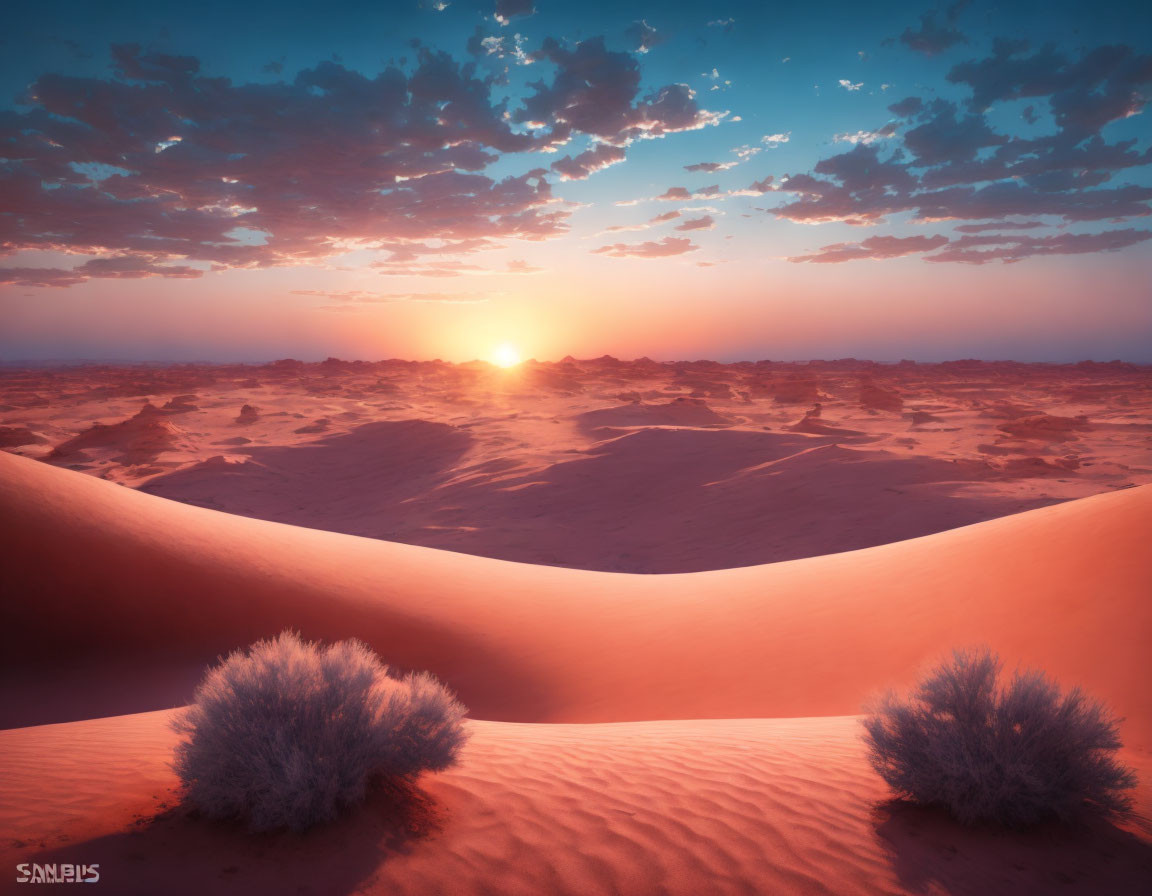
(180, 852)
(932, 853)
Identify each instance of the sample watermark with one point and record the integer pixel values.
(63, 873)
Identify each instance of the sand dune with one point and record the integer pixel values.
(731, 806)
(530, 464)
(106, 573)
(121, 597)
(650, 499)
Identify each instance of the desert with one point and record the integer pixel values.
(619, 466)
(135, 577)
(536, 448)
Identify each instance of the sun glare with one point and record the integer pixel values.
(505, 356)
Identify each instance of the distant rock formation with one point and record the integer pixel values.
(248, 414)
(1047, 427)
(878, 398)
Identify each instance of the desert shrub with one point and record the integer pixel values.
(1013, 754)
(288, 733)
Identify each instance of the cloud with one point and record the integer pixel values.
(932, 38)
(171, 167)
(756, 188)
(711, 167)
(1000, 225)
(946, 136)
(507, 10)
(599, 157)
(1006, 248)
(664, 248)
(850, 86)
(1012, 248)
(166, 165)
(360, 296)
(774, 140)
(1103, 85)
(501, 46)
(596, 91)
(114, 268)
(951, 164)
(881, 133)
(876, 247)
(430, 269)
(642, 37)
(519, 266)
(646, 225)
(705, 222)
(712, 191)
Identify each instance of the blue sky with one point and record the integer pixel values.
(755, 169)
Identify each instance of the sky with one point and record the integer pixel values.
(224, 182)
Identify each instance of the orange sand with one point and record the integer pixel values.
(116, 599)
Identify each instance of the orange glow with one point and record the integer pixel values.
(505, 355)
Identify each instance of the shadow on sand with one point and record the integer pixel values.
(179, 852)
(931, 853)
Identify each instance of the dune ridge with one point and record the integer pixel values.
(697, 765)
(104, 572)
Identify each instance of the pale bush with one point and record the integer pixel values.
(1013, 755)
(289, 733)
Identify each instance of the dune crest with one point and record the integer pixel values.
(105, 572)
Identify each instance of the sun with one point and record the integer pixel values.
(505, 355)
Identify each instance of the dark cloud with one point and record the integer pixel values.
(588, 162)
(876, 247)
(705, 222)
(115, 268)
(907, 107)
(710, 167)
(932, 37)
(971, 249)
(166, 165)
(642, 37)
(947, 136)
(1084, 94)
(1006, 198)
(595, 91)
(662, 249)
(951, 164)
(1000, 225)
(507, 10)
(1011, 248)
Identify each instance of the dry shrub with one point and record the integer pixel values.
(288, 733)
(1012, 754)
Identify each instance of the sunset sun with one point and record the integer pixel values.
(505, 355)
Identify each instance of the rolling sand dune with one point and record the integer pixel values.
(105, 573)
(123, 596)
(653, 499)
(586, 464)
(119, 598)
(780, 806)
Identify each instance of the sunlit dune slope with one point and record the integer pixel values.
(128, 594)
